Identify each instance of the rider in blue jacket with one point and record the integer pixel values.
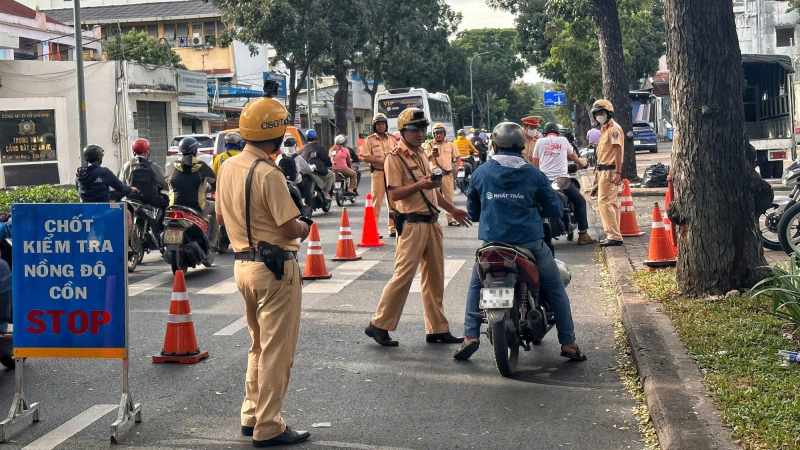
(503, 199)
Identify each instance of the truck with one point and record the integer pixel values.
(769, 110)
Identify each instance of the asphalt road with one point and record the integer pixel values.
(414, 396)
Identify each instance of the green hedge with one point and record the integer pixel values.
(37, 194)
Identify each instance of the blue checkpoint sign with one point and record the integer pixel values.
(555, 98)
(280, 78)
(69, 280)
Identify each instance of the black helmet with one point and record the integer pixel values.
(509, 136)
(93, 153)
(290, 142)
(551, 127)
(188, 145)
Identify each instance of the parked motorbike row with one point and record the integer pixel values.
(780, 224)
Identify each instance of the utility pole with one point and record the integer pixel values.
(488, 116)
(471, 100)
(81, 88)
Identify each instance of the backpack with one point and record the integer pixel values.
(143, 179)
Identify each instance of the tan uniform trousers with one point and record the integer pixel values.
(608, 204)
(420, 245)
(273, 318)
(378, 196)
(447, 193)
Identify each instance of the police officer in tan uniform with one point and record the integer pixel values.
(265, 234)
(441, 154)
(531, 126)
(376, 147)
(608, 177)
(414, 199)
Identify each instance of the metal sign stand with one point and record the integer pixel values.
(127, 409)
(19, 407)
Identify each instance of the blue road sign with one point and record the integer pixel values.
(69, 280)
(555, 98)
(281, 79)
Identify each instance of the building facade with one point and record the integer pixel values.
(765, 27)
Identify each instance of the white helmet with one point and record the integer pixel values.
(340, 139)
(566, 274)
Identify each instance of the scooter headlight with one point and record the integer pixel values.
(566, 275)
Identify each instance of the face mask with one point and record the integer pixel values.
(289, 150)
(601, 119)
(532, 132)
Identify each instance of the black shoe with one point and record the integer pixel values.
(466, 350)
(247, 431)
(443, 338)
(380, 335)
(393, 234)
(380, 236)
(288, 437)
(610, 243)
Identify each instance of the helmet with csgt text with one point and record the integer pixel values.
(602, 105)
(340, 139)
(264, 119)
(566, 275)
(509, 136)
(380, 117)
(439, 127)
(140, 146)
(412, 119)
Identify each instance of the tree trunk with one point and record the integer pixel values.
(292, 92)
(582, 125)
(715, 212)
(340, 98)
(615, 77)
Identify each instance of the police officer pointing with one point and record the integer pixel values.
(414, 198)
(254, 204)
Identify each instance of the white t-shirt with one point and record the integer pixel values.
(552, 153)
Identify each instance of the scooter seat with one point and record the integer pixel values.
(521, 250)
(185, 209)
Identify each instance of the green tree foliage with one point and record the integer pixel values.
(141, 47)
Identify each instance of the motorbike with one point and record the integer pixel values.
(463, 175)
(590, 153)
(7, 338)
(223, 242)
(517, 311)
(340, 188)
(318, 200)
(779, 225)
(568, 222)
(143, 239)
(186, 239)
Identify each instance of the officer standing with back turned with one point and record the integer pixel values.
(254, 204)
(414, 198)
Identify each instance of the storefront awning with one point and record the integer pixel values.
(202, 115)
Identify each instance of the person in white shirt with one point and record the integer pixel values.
(550, 156)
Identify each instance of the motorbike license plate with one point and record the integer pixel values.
(493, 298)
(637, 142)
(173, 236)
(460, 175)
(338, 185)
(476, 158)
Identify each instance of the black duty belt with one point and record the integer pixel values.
(252, 255)
(421, 218)
(374, 169)
(606, 167)
(447, 172)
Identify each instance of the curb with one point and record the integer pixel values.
(682, 413)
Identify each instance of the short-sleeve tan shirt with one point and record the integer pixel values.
(397, 175)
(271, 205)
(610, 135)
(378, 147)
(527, 153)
(447, 151)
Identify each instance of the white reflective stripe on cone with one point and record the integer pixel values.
(344, 229)
(179, 318)
(314, 244)
(345, 237)
(627, 199)
(180, 296)
(658, 225)
(314, 251)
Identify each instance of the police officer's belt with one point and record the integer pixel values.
(374, 169)
(447, 172)
(252, 255)
(606, 167)
(420, 218)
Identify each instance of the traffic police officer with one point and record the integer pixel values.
(608, 177)
(376, 147)
(531, 126)
(440, 153)
(264, 231)
(414, 198)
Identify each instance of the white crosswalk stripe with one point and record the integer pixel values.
(149, 283)
(231, 329)
(342, 276)
(227, 286)
(451, 268)
(70, 428)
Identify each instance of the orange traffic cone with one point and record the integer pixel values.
(180, 343)
(668, 223)
(628, 226)
(369, 234)
(315, 261)
(345, 250)
(660, 254)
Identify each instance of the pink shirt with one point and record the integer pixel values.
(340, 157)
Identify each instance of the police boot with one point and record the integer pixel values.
(380, 335)
(443, 338)
(585, 239)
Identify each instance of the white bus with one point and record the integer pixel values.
(436, 106)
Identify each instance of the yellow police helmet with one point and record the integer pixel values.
(380, 117)
(263, 120)
(412, 119)
(439, 127)
(472, 130)
(602, 105)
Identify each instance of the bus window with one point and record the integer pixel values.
(392, 107)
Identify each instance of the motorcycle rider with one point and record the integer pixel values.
(148, 179)
(314, 154)
(233, 146)
(465, 150)
(608, 176)
(376, 147)
(550, 156)
(593, 135)
(343, 163)
(480, 144)
(514, 219)
(304, 179)
(189, 178)
(441, 154)
(531, 126)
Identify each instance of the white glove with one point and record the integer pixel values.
(313, 166)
